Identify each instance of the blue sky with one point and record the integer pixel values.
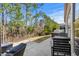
(55, 11)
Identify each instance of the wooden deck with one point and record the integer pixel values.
(38, 49)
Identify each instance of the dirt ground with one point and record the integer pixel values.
(29, 39)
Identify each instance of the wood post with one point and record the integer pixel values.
(72, 15)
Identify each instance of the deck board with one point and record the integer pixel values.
(38, 49)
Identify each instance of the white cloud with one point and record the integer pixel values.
(58, 16)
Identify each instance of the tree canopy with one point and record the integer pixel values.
(26, 19)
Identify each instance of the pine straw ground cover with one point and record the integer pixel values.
(42, 39)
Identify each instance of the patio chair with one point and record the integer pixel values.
(61, 47)
(77, 47)
(17, 50)
(6, 47)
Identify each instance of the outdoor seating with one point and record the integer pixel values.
(77, 47)
(17, 50)
(61, 46)
(6, 47)
(32, 24)
(77, 50)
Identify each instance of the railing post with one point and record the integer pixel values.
(66, 25)
(72, 28)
